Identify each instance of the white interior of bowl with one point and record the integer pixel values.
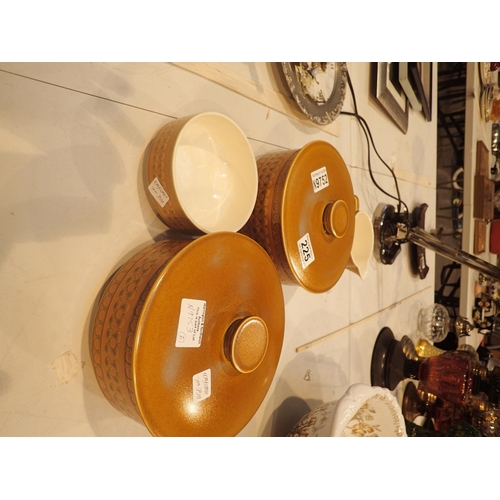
(215, 173)
(366, 411)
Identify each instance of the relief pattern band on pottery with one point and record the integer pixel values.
(114, 329)
(169, 213)
(267, 231)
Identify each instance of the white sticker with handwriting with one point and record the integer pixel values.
(159, 194)
(319, 179)
(305, 251)
(191, 323)
(202, 385)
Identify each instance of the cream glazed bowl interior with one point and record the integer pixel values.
(202, 174)
(363, 411)
(215, 173)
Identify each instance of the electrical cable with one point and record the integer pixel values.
(370, 142)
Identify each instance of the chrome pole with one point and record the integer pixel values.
(418, 236)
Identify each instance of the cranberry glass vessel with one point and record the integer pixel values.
(454, 376)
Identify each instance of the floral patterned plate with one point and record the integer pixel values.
(363, 411)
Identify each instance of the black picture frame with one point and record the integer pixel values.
(421, 75)
(390, 95)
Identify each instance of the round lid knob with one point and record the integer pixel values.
(336, 218)
(245, 343)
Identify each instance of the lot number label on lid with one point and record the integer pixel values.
(319, 179)
(305, 251)
(202, 385)
(191, 323)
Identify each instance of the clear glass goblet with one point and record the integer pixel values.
(434, 322)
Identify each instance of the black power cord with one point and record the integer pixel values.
(369, 140)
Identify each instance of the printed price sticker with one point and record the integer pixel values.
(305, 251)
(202, 385)
(159, 194)
(191, 323)
(319, 179)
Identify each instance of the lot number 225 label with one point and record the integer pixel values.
(305, 251)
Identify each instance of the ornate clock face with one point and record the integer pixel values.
(317, 80)
(318, 88)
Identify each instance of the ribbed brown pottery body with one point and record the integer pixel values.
(160, 161)
(113, 333)
(265, 223)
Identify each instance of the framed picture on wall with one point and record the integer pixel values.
(389, 94)
(421, 74)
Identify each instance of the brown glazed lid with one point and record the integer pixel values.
(318, 210)
(209, 338)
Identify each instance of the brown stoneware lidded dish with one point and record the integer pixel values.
(200, 174)
(305, 215)
(188, 334)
